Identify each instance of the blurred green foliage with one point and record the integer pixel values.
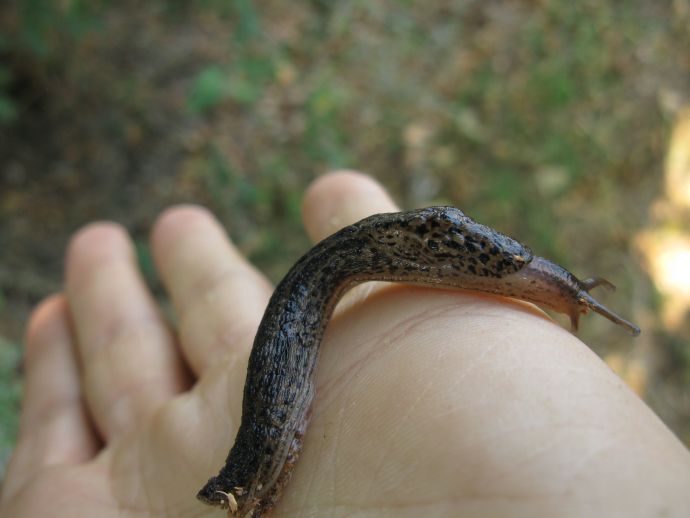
(8, 109)
(10, 393)
(246, 78)
(44, 21)
(210, 88)
(41, 24)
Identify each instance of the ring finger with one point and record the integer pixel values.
(129, 361)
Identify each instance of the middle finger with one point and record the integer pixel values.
(218, 296)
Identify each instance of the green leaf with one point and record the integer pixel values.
(209, 90)
(8, 110)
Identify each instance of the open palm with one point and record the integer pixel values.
(429, 402)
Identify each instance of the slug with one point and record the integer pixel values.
(438, 246)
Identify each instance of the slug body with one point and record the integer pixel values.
(434, 246)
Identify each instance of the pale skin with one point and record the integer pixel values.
(429, 402)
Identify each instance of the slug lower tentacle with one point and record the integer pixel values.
(434, 246)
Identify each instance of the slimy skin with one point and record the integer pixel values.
(438, 246)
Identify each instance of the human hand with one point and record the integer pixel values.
(428, 402)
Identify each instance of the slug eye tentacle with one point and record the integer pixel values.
(590, 302)
(593, 282)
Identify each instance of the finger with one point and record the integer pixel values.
(129, 358)
(54, 426)
(339, 199)
(218, 296)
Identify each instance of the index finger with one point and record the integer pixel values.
(336, 200)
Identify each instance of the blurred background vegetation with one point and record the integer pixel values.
(564, 124)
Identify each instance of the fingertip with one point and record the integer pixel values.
(180, 216)
(346, 187)
(175, 221)
(340, 198)
(96, 233)
(343, 178)
(95, 241)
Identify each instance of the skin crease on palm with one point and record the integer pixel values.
(429, 402)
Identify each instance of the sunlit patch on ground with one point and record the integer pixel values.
(667, 254)
(666, 246)
(678, 163)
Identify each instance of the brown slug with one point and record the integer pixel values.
(433, 246)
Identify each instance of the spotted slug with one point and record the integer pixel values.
(438, 246)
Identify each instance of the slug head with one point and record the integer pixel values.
(448, 247)
(550, 285)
